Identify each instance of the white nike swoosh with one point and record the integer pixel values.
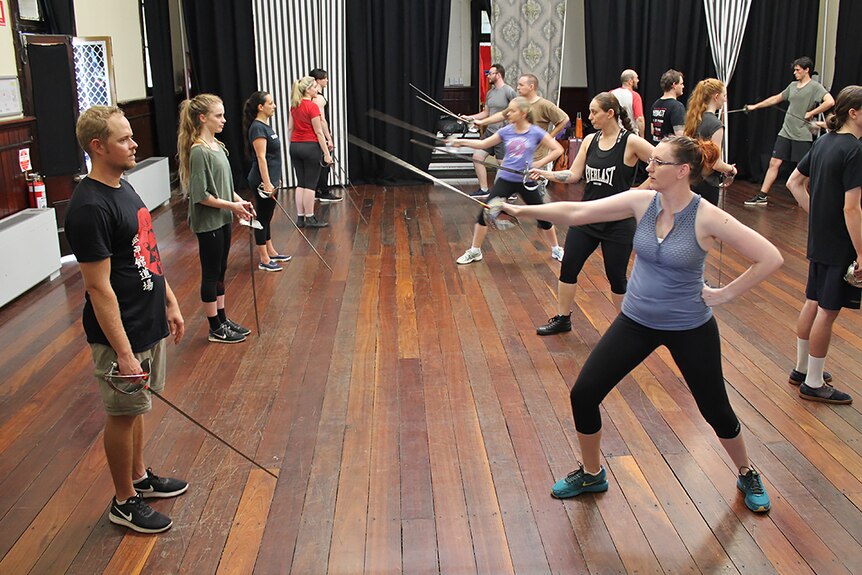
(126, 517)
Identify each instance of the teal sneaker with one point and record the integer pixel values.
(756, 498)
(579, 481)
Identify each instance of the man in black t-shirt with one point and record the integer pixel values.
(667, 117)
(832, 170)
(129, 311)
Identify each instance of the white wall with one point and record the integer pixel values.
(119, 19)
(458, 64)
(7, 49)
(829, 9)
(574, 47)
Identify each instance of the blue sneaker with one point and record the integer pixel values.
(280, 258)
(756, 498)
(579, 481)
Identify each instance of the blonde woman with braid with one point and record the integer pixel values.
(206, 178)
(307, 146)
(702, 123)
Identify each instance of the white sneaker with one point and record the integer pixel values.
(557, 253)
(470, 256)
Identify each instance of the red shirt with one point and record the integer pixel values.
(302, 115)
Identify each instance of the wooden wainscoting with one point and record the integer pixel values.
(141, 117)
(14, 135)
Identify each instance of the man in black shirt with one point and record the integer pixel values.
(832, 171)
(667, 117)
(129, 311)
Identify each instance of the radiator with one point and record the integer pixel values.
(151, 178)
(29, 251)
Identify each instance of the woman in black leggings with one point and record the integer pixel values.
(265, 172)
(205, 176)
(667, 303)
(307, 147)
(607, 161)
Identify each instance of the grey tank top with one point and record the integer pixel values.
(664, 291)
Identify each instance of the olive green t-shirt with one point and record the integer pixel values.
(800, 100)
(546, 115)
(209, 175)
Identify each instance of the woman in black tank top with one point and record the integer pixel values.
(607, 161)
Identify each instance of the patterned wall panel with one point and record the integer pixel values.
(527, 38)
(292, 37)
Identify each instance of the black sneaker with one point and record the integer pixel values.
(237, 328)
(300, 221)
(479, 194)
(824, 394)
(138, 516)
(154, 486)
(313, 222)
(224, 334)
(797, 377)
(758, 200)
(557, 324)
(327, 197)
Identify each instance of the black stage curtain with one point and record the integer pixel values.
(391, 43)
(60, 16)
(848, 48)
(649, 37)
(777, 33)
(157, 16)
(221, 43)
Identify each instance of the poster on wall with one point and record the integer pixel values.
(2, 14)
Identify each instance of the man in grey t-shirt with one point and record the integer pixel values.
(794, 139)
(497, 99)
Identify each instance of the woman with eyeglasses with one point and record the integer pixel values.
(607, 161)
(667, 303)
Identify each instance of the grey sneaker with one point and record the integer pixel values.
(224, 334)
(824, 394)
(758, 200)
(470, 256)
(557, 253)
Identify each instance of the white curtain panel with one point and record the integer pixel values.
(291, 38)
(725, 24)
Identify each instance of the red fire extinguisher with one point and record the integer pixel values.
(36, 185)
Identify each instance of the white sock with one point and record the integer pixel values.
(138, 480)
(475, 249)
(123, 502)
(801, 355)
(814, 379)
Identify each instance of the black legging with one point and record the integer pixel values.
(626, 343)
(305, 158)
(580, 246)
(264, 207)
(323, 180)
(504, 188)
(213, 248)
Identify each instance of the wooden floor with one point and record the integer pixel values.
(417, 422)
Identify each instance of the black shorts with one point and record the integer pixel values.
(827, 287)
(788, 150)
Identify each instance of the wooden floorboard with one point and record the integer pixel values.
(416, 421)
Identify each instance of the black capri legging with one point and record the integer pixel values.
(265, 207)
(504, 188)
(581, 245)
(305, 158)
(696, 352)
(213, 247)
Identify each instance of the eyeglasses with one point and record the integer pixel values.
(658, 162)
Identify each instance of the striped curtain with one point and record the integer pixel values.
(725, 24)
(292, 37)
